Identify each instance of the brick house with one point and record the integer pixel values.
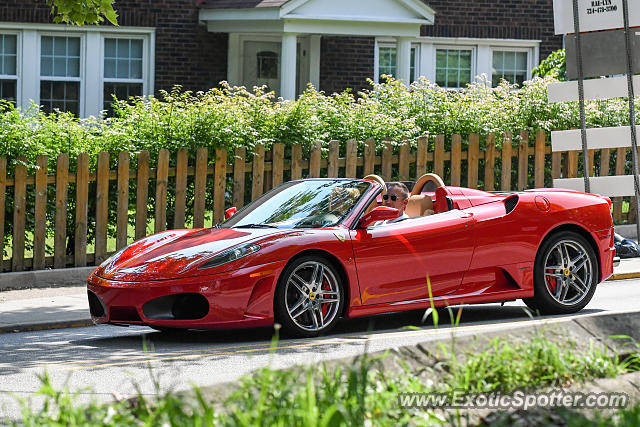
(284, 44)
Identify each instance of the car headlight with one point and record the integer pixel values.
(231, 255)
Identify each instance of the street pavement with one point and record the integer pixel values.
(106, 362)
(64, 307)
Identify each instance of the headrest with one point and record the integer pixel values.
(419, 205)
(431, 180)
(441, 200)
(379, 180)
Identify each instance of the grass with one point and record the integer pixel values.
(359, 394)
(506, 367)
(625, 417)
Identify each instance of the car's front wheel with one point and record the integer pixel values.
(565, 274)
(309, 296)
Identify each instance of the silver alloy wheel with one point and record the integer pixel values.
(312, 296)
(568, 272)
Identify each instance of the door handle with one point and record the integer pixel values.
(466, 215)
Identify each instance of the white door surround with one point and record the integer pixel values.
(298, 25)
(243, 62)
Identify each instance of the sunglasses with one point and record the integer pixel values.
(392, 197)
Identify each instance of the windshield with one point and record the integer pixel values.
(301, 204)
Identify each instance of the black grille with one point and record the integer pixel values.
(187, 306)
(510, 203)
(95, 305)
(124, 314)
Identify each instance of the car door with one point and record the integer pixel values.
(394, 260)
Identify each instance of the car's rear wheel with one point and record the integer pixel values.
(309, 296)
(565, 274)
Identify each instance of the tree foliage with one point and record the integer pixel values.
(553, 65)
(80, 12)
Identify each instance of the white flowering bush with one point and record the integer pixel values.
(229, 117)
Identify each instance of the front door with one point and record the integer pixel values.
(394, 260)
(261, 65)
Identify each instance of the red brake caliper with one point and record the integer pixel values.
(325, 306)
(551, 281)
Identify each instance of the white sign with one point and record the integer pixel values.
(597, 138)
(604, 88)
(594, 15)
(612, 186)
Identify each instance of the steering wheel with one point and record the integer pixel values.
(429, 180)
(319, 220)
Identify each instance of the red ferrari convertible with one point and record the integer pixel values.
(311, 251)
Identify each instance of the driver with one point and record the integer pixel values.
(397, 197)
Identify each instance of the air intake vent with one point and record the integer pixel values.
(96, 308)
(187, 306)
(124, 314)
(510, 203)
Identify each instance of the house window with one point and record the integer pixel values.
(60, 74)
(74, 69)
(123, 77)
(8, 67)
(387, 62)
(509, 65)
(267, 67)
(453, 67)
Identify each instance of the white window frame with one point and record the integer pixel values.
(378, 47)
(81, 70)
(530, 64)
(15, 77)
(387, 42)
(482, 53)
(474, 54)
(146, 54)
(91, 60)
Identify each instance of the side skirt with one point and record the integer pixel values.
(442, 301)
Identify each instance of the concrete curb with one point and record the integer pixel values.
(45, 278)
(622, 276)
(596, 330)
(44, 326)
(628, 231)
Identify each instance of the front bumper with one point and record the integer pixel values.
(240, 298)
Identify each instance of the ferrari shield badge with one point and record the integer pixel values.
(340, 235)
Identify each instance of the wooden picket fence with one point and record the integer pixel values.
(264, 171)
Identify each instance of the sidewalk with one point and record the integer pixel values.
(44, 308)
(64, 307)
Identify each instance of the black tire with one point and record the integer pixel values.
(304, 305)
(569, 287)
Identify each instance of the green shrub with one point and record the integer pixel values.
(228, 117)
(553, 65)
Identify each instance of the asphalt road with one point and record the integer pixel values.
(106, 361)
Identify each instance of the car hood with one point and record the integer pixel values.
(175, 253)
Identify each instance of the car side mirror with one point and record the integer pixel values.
(380, 213)
(230, 212)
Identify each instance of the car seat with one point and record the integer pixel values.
(419, 205)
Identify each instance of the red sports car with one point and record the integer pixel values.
(311, 251)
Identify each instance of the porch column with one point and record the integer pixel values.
(403, 59)
(288, 66)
